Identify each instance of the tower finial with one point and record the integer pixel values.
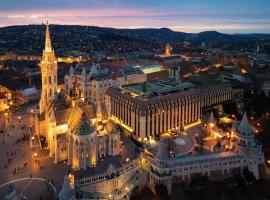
(48, 45)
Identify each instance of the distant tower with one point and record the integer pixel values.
(168, 50)
(48, 66)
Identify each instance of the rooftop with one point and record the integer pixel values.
(150, 68)
(155, 88)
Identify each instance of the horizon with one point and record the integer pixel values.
(190, 16)
(157, 28)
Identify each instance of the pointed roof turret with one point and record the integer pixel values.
(110, 169)
(98, 110)
(48, 44)
(211, 118)
(244, 128)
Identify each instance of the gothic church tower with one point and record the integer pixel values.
(48, 66)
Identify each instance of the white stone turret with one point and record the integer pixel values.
(211, 119)
(244, 130)
(210, 125)
(244, 137)
(246, 144)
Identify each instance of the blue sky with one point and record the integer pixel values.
(229, 16)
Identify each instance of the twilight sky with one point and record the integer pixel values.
(229, 16)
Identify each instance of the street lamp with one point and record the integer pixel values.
(19, 118)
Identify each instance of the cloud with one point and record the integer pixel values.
(126, 17)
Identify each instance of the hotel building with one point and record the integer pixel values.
(155, 107)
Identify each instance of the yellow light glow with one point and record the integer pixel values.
(217, 134)
(71, 181)
(243, 71)
(62, 128)
(226, 120)
(118, 121)
(192, 124)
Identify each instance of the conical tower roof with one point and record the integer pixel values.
(111, 169)
(211, 118)
(244, 127)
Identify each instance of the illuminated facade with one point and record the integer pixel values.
(48, 66)
(176, 160)
(168, 50)
(74, 130)
(91, 82)
(85, 135)
(156, 107)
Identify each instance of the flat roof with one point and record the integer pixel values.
(150, 68)
(155, 88)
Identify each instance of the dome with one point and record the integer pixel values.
(183, 144)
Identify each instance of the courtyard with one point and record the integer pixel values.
(19, 165)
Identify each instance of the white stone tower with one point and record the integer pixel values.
(248, 146)
(48, 66)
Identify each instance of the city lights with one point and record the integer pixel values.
(134, 111)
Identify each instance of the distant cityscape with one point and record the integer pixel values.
(102, 113)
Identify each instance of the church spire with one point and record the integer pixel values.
(48, 44)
